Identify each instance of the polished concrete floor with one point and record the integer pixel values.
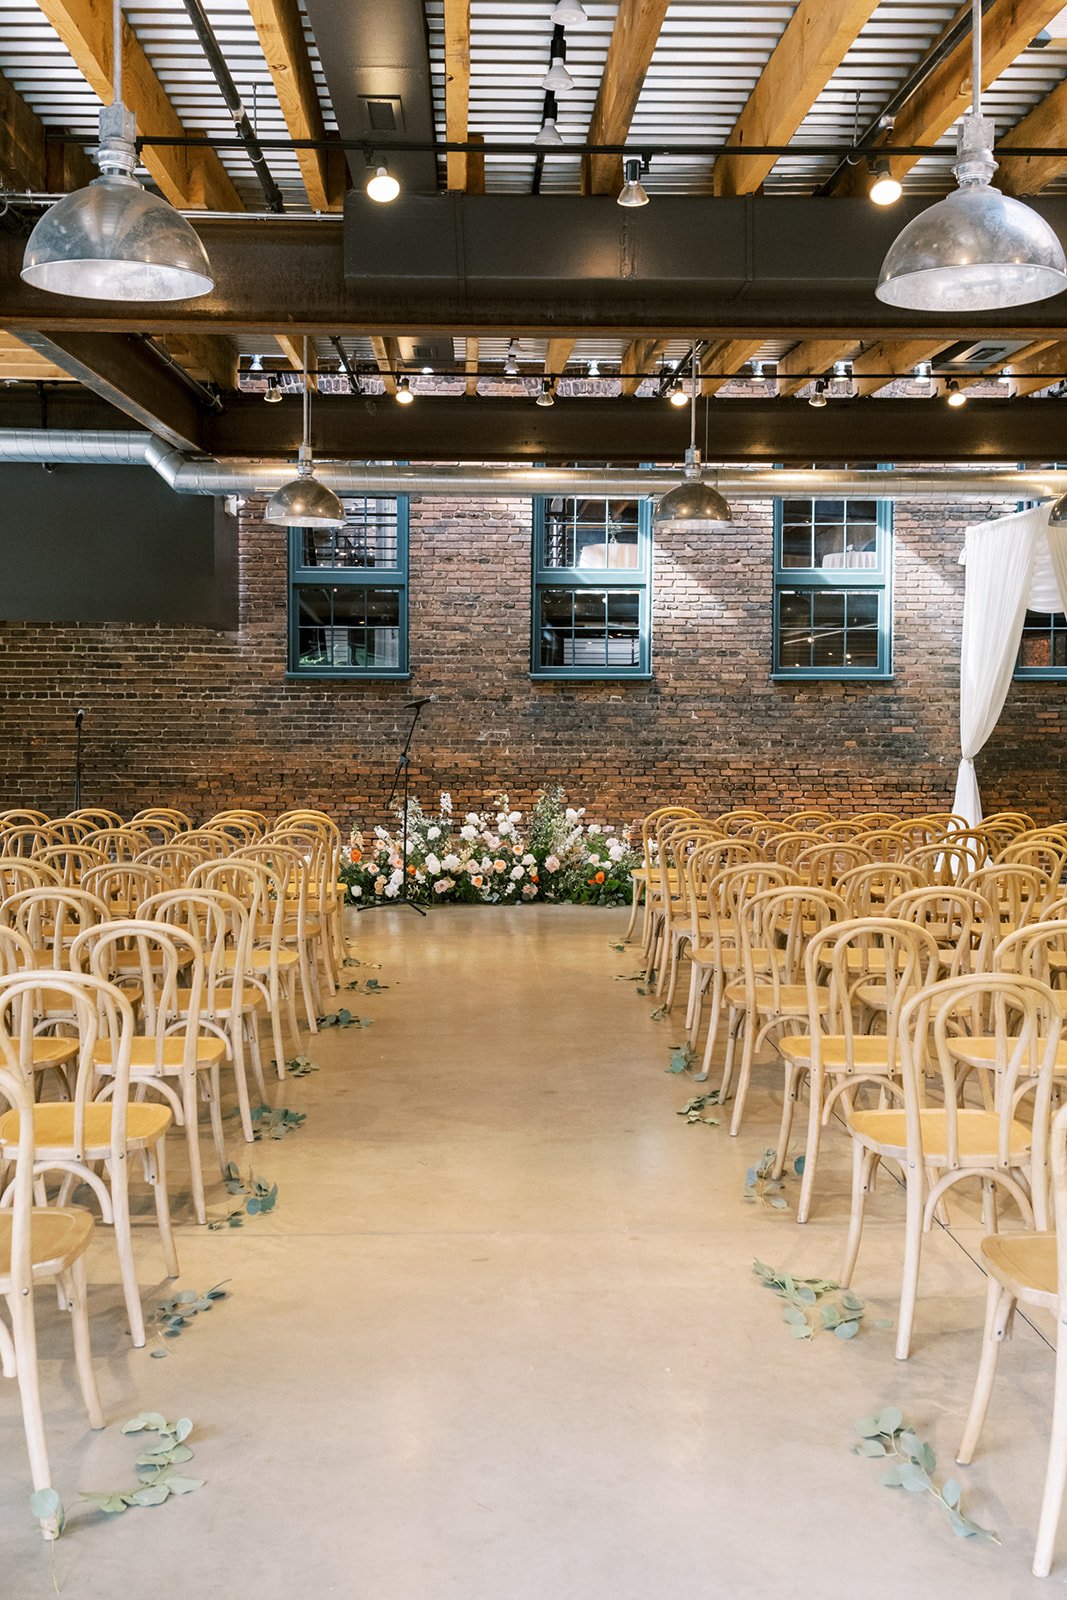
(501, 1339)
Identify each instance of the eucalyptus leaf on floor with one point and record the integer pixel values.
(911, 1465)
(814, 1305)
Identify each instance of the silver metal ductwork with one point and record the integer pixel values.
(188, 475)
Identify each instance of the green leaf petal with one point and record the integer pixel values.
(45, 1503)
(889, 1420)
(867, 1427)
(891, 1478)
(846, 1330)
(913, 1478)
(870, 1447)
(153, 1494)
(179, 1485)
(951, 1491)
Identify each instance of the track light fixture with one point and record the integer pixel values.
(404, 396)
(382, 186)
(817, 397)
(676, 394)
(883, 189)
(632, 192)
(546, 397)
(273, 394)
(954, 395)
(557, 79)
(569, 14)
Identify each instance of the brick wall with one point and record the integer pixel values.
(202, 719)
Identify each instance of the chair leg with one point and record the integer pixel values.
(635, 900)
(215, 1109)
(811, 1150)
(24, 1336)
(289, 991)
(913, 1243)
(256, 1058)
(794, 1076)
(276, 1025)
(748, 1053)
(74, 1282)
(120, 1205)
(999, 1305)
(240, 1076)
(1056, 1472)
(157, 1167)
(734, 1020)
(864, 1162)
(192, 1139)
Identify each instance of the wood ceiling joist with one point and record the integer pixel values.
(557, 354)
(815, 42)
(811, 356)
(194, 178)
(18, 361)
(633, 39)
(281, 36)
(1007, 29)
(292, 348)
(470, 366)
(724, 361)
(206, 357)
(899, 358)
(457, 20)
(640, 358)
(1043, 125)
(27, 159)
(1028, 370)
(387, 356)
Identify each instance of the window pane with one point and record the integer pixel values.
(590, 628)
(624, 629)
(348, 627)
(1044, 641)
(557, 627)
(369, 538)
(861, 629)
(591, 533)
(794, 629)
(828, 628)
(796, 544)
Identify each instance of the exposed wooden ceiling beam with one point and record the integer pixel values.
(794, 369)
(557, 354)
(1007, 28)
(633, 39)
(724, 361)
(18, 361)
(815, 42)
(457, 21)
(470, 366)
(1043, 125)
(27, 159)
(388, 358)
(292, 348)
(207, 357)
(639, 358)
(281, 35)
(1028, 371)
(887, 356)
(188, 177)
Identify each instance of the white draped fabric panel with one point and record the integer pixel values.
(1014, 564)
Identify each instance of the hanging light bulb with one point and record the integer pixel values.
(256, 364)
(511, 364)
(694, 505)
(404, 396)
(304, 502)
(594, 369)
(549, 137)
(954, 395)
(977, 250)
(883, 189)
(557, 78)
(632, 192)
(113, 240)
(382, 186)
(273, 394)
(546, 397)
(569, 14)
(924, 374)
(676, 394)
(817, 397)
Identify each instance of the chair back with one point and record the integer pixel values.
(962, 921)
(219, 924)
(1018, 893)
(211, 841)
(50, 919)
(899, 956)
(823, 864)
(242, 827)
(1036, 950)
(19, 872)
(739, 821)
(841, 829)
(169, 968)
(123, 844)
(807, 820)
(20, 817)
(122, 885)
(867, 890)
(775, 926)
(97, 817)
(945, 862)
(174, 860)
(72, 861)
(1048, 855)
(26, 839)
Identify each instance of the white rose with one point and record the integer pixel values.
(451, 863)
(391, 891)
(616, 851)
(446, 804)
(487, 865)
(397, 878)
(433, 833)
(473, 818)
(528, 860)
(594, 827)
(356, 891)
(468, 831)
(517, 873)
(506, 828)
(433, 866)
(571, 815)
(514, 816)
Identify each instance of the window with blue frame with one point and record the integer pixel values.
(592, 581)
(1043, 651)
(833, 588)
(348, 594)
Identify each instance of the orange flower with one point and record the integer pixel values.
(357, 855)
(412, 870)
(533, 875)
(598, 877)
(589, 880)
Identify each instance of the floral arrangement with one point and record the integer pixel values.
(494, 857)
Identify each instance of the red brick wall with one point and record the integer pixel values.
(202, 719)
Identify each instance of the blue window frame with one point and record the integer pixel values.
(1043, 650)
(833, 588)
(348, 594)
(592, 588)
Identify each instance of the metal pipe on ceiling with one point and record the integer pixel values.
(235, 106)
(187, 475)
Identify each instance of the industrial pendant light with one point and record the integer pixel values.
(113, 240)
(978, 249)
(694, 505)
(305, 502)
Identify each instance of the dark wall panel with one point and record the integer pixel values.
(113, 544)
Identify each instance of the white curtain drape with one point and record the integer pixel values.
(1002, 560)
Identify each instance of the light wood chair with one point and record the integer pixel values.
(174, 860)
(332, 891)
(292, 928)
(645, 875)
(242, 827)
(939, 1143)
(212, 841)
(323, 856)
(867, 890)
(20, 872)
(677, 847)
(883, 844)
(945, 863)
(20, 817)
(122, 885)
(76, 1137)
(1019, 893)
(37, 1243)
(125, 843)
(71, 861)
(962, 921)
(822, 864)
(806, 820)
(708, 858)
(739, 821)
(1029, 1269)
(97, 817)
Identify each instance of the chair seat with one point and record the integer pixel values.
(790, 1000)
(1025, 1262)
(978, 1135)
(58, 1236)
(53, 1127)
(210, 1049)
(869, 1051)
(979, 1050)
(252, 999)
(260, 959)
(53, 1052)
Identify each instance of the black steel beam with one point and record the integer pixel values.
(124, 370)
(761, 267)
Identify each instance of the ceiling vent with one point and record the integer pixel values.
(382, 113)
(971, 357)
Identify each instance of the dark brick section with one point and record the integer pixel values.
(202, 719)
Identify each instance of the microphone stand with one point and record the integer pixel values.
(401, 778)
(79, 718)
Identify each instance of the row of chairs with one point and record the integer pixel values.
(915, 994)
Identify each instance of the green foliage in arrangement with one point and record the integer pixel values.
(911, 1465)
(493, 857)
(299, 1066)
(172, 1317)
(762, 1187)
(160, 1453)
(682, 1058)
(367, 986)
(693, 1110)
(258, 1198)
(343, 1019)
(274, 1122)
(813, 1305)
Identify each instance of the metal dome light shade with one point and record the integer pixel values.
(113, 240)
(977, 249)
(694, 506)
(304, 502)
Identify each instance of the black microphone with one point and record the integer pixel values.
(79, 718)
(415, 705)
